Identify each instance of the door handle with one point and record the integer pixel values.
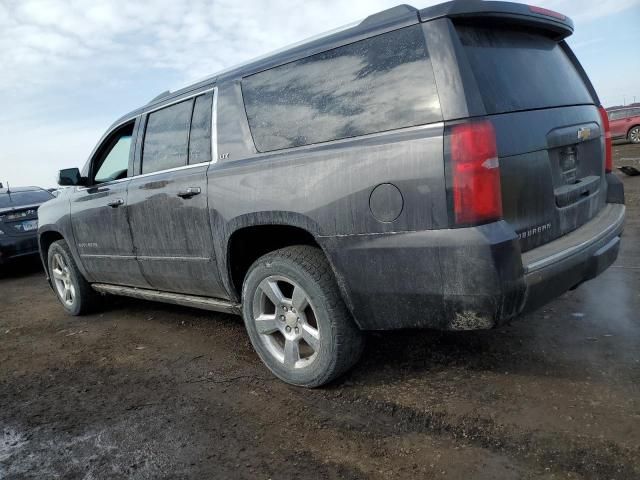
(116, 203)
(189, 192)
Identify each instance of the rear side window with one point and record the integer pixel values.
(618, 114)
(378, 84)
(517, 70)
(200, 139)
(166, 139)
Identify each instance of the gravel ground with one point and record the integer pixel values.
(143, 390)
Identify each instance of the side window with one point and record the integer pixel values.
(617, 114)
(200, 138)
(380, 83)
(113, 161)
(166, 138)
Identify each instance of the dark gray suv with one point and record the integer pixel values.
(444, 168)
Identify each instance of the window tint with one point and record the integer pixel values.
(200, 139)
(166, 138)
(116, 162)
(373, 85)
(517, 70)
(18, 199)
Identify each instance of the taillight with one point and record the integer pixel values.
(475, 173)
(608, 153)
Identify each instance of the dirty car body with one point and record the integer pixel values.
(452, 164)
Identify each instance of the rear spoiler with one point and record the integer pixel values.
(558, 25)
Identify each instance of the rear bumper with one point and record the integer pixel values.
(12, 247)
(575, 258)
(465, 279)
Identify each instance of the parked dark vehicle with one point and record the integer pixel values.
(625, 123)
(444, 168)
(19, 221)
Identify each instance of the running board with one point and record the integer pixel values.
(204, 303)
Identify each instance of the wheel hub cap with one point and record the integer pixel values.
(291, 319)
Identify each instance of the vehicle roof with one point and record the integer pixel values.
(390, 19)
(20, 189)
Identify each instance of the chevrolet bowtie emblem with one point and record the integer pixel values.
(584, 134)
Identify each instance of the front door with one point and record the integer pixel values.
(99, 216)
(167, 202)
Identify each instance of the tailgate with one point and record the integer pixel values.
(548, 129)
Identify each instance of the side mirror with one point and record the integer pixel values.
(70, 177)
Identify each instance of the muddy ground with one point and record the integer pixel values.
(143, 390)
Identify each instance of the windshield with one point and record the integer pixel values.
(18, 199)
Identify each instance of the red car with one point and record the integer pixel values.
(625, 123)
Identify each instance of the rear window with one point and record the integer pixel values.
(377, 84)
(518, 70)
(19, 199)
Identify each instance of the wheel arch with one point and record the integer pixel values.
(45, 240)
(631, 128)
(254, 235)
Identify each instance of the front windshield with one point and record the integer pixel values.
(18, 199)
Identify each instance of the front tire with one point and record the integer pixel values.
(634, 134)
(296, 318)
(74, 292)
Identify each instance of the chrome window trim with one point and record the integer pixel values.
(214, 140)
(214, 127)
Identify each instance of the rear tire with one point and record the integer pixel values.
(296, 318)
(634, 134)
(74, 292)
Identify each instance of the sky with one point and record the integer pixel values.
(69, 68)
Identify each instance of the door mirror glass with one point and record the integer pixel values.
(70, 177)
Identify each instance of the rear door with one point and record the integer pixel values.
(167, 201)
(548, 128)
(619, 122)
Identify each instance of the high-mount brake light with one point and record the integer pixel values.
(546, 12)
(477, 196)
(608, 148)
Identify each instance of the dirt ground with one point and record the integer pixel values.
(148, 391)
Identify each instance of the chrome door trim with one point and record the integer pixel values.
(214, 141)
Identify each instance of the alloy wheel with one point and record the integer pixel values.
(62, 280)
(286, 322)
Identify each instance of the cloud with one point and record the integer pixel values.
(80, 62)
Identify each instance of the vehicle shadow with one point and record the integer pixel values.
(21, 267)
